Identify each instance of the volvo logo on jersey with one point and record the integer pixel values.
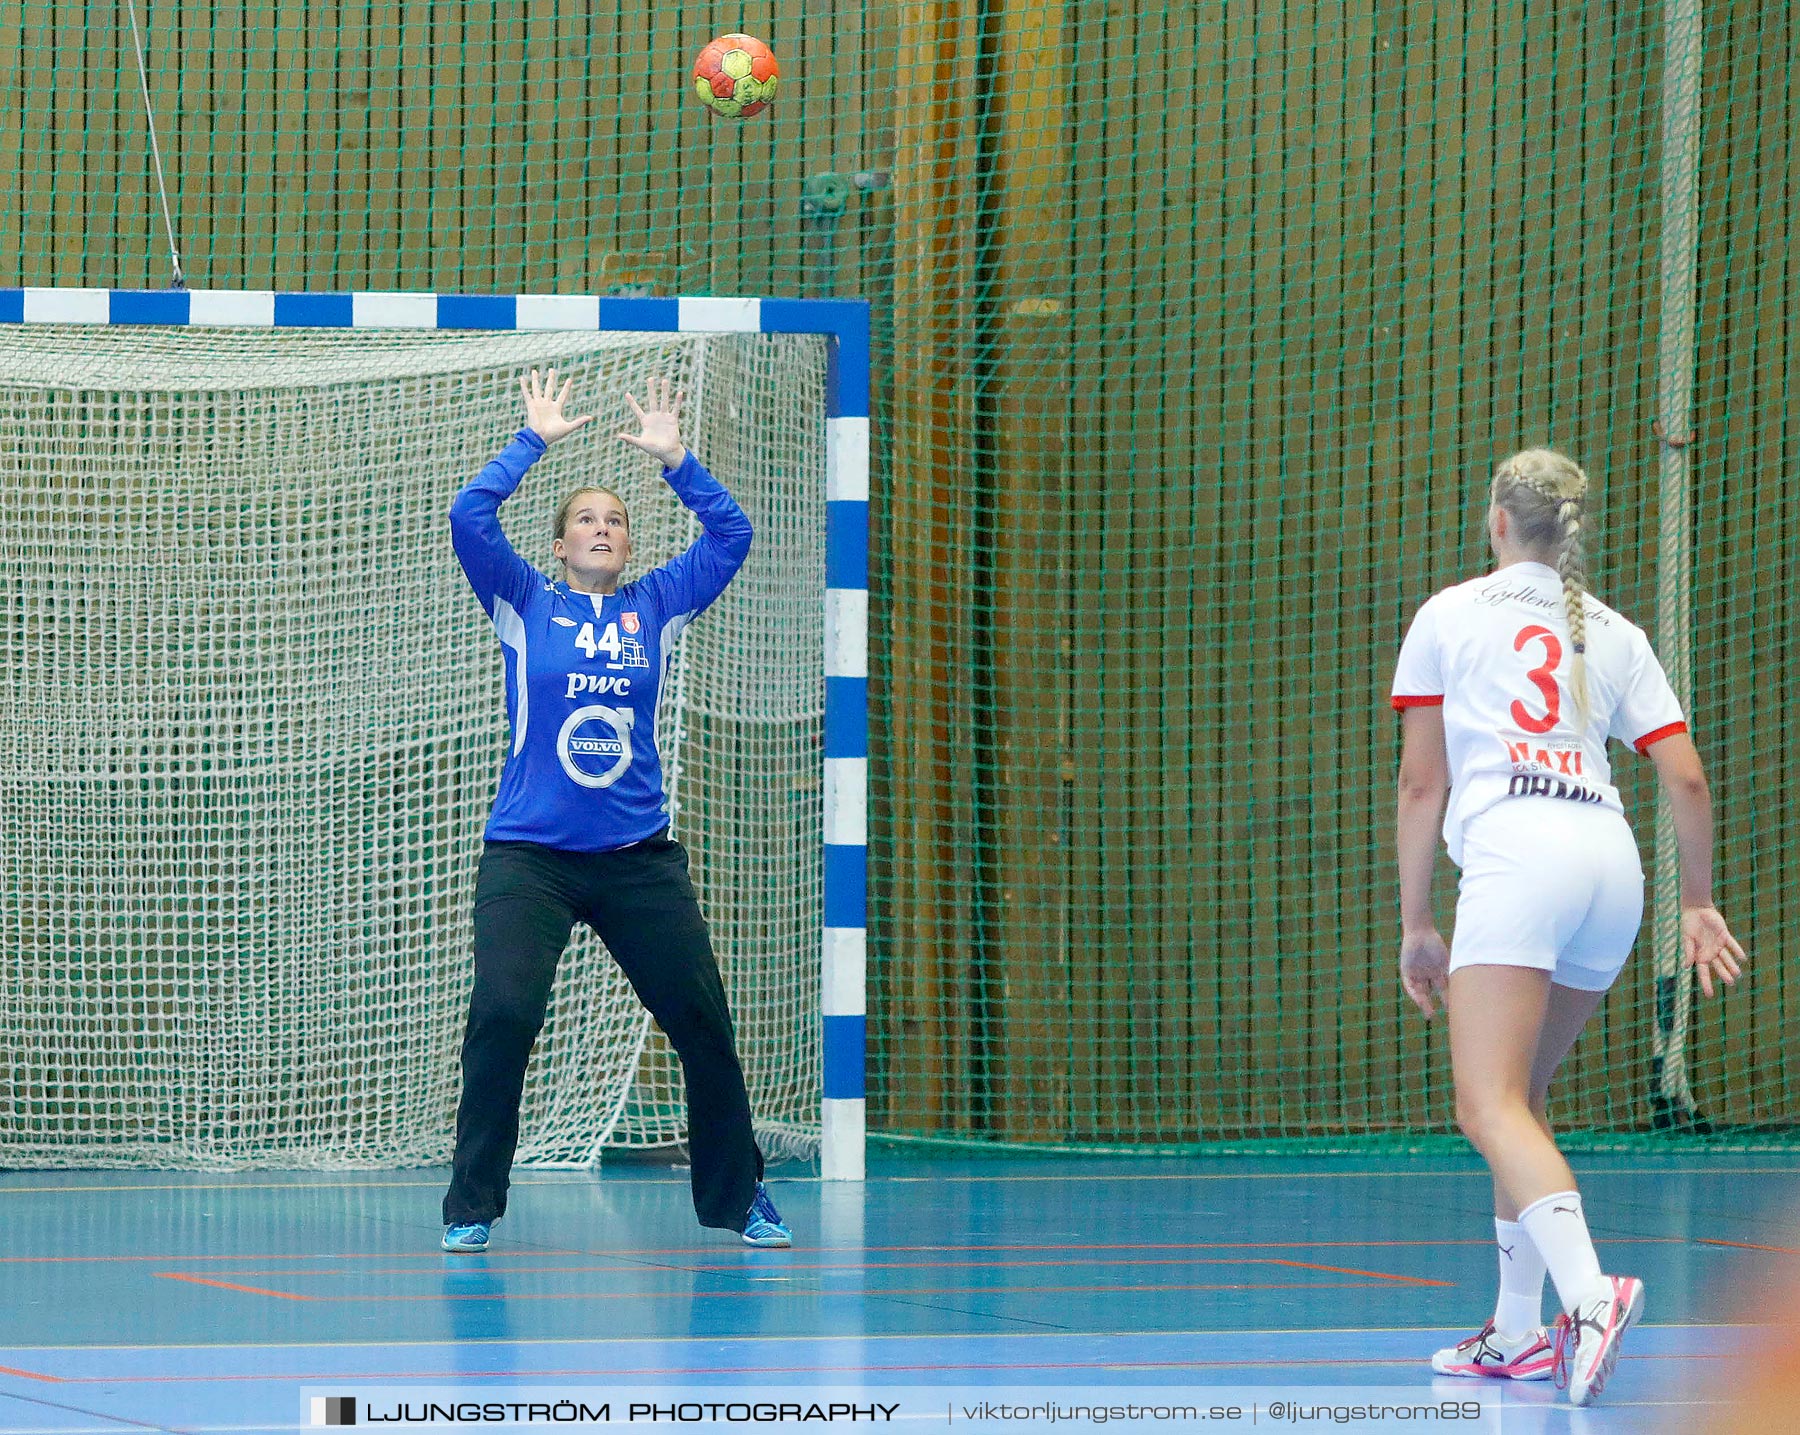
(594, 745)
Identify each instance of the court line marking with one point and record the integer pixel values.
(30, 1374)
(824, 1337)
(1480, 1171)
(1746, 1245)
(636, 1272)
(1349, 1271)
(112, 1425)
(804, 1292)
(228, 1285)
(1087, 1177)
(622, 1251)
(766, 1261)
(450, 1262)
(615, 1372)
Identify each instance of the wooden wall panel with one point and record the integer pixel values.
(1107, 724)
(19, 126)
(1746, 595)
(371, 90)
(352, 62)
(77, 61)
(1022, 388)
(1228, 320)
(928, 981)
(1177, 253)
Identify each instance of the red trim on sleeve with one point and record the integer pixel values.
(1403, 701)
(1669, 730)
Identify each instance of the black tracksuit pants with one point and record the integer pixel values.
(641, 903)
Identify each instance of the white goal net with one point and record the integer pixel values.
(255, 719)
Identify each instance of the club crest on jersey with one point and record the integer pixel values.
(629, 622)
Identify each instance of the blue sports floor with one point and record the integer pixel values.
(201, 1302)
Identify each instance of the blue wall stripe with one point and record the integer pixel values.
(653, 315)
(847, 543)
(149, 306)
(846, 1045)
(846, 717)
(846, 885)
(477, 311)
(12, 306)
(326, 311)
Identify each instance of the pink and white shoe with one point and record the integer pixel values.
(1490, 1354)
(1587, 1339)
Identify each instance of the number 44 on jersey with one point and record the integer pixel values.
(608, 642)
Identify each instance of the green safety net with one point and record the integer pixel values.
(1198, 331)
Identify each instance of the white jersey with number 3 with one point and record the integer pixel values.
(1495, 653)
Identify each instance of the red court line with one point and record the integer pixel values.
(1243, 1245)
(433, 1254)
(819, 1292)
(228, 1286)
(752, 1261)
(619, 1372)
(1747, 1246)
(637, 1271)
(33, 1375)
(1350, 1271)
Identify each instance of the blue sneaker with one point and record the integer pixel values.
(470, 1240)
(762, 1225)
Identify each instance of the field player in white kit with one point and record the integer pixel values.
(1509, 686)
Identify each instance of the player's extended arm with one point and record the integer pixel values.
(1706, 942)
(494, 570)
(1424, 783)
(694, 579)
(659, 426)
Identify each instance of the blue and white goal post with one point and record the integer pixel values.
(844, 325)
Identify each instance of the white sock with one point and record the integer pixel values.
(1520, 1308)
(1559, 1230)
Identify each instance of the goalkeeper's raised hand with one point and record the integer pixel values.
(544, 407)
(659, 424)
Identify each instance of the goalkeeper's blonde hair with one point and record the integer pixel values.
(559, 525)
(1543, 492)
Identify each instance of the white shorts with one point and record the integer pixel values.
(1551, 885)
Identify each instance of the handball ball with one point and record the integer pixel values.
(736, 76)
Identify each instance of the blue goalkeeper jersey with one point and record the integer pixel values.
(583, 669)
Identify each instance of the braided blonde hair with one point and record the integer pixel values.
(1542, 491)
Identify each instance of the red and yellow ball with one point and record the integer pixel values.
(736, 76)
